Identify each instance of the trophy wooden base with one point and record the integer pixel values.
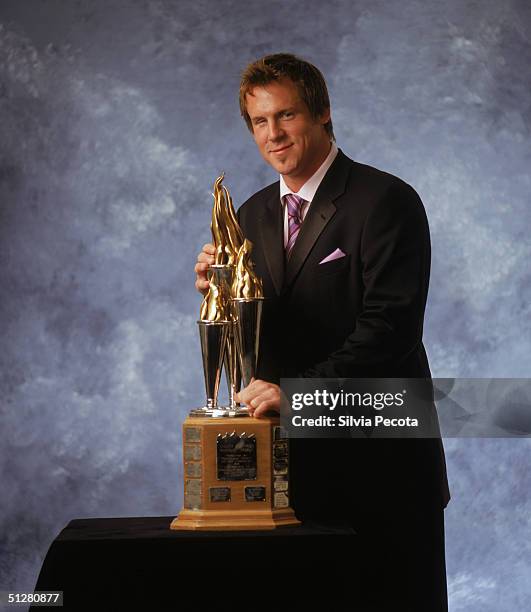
(233, 520)
(235, 475)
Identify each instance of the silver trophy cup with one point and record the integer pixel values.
(223, 276)
(247, 313)
(213, 337)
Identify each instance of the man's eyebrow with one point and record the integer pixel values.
(288, 109)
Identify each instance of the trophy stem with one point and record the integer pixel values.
(232, 367)
(248, 315)
(223, 275)
(213, 336)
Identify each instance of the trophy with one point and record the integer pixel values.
(235, 466)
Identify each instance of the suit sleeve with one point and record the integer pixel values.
(395, 262)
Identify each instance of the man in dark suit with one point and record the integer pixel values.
(344, 253)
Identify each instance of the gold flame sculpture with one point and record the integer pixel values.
(214, 306)
(231, 250)
(246, 284)
(226, 232)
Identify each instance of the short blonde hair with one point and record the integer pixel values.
(307, 78)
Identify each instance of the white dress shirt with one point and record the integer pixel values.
(308, 190)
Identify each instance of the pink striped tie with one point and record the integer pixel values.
(294, 204)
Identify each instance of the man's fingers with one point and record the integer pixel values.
(205, 258)
(202, 286)
(259, 397)
(245, 396)
(258, 386)
(201, 268)
(252, 397)
(201, 282)
(256, 400)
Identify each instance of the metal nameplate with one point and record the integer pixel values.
(192, 486)
(192, 434)
(192, 452)
(219, 494)
(280, 457)
(192, 502)
(281, 500)
(192, 470)
(236, 456)
(253, 494)
(192, 494)
(280, 483)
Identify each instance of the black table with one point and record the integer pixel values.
(139, 563)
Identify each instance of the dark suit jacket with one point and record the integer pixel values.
(358, 316)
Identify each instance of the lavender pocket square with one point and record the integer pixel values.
(337, 254)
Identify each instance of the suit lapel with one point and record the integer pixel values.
(272, 234)
(321, 210)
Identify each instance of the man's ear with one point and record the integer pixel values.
(325, 117)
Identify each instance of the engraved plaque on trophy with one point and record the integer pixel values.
(235, 466)
(236, 457)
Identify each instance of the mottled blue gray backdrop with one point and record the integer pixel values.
(115, 119)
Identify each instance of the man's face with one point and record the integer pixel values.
(288, 137)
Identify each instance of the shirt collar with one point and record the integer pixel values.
(308, 190)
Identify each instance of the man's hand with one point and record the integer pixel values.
(260, 397)
(204, 259)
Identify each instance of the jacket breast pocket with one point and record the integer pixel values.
(335, 266)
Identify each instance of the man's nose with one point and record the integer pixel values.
(275, 132)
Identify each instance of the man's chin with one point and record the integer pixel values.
(283, 167)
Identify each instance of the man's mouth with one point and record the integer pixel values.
(281, 149)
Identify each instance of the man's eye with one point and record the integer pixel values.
(288, 115)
